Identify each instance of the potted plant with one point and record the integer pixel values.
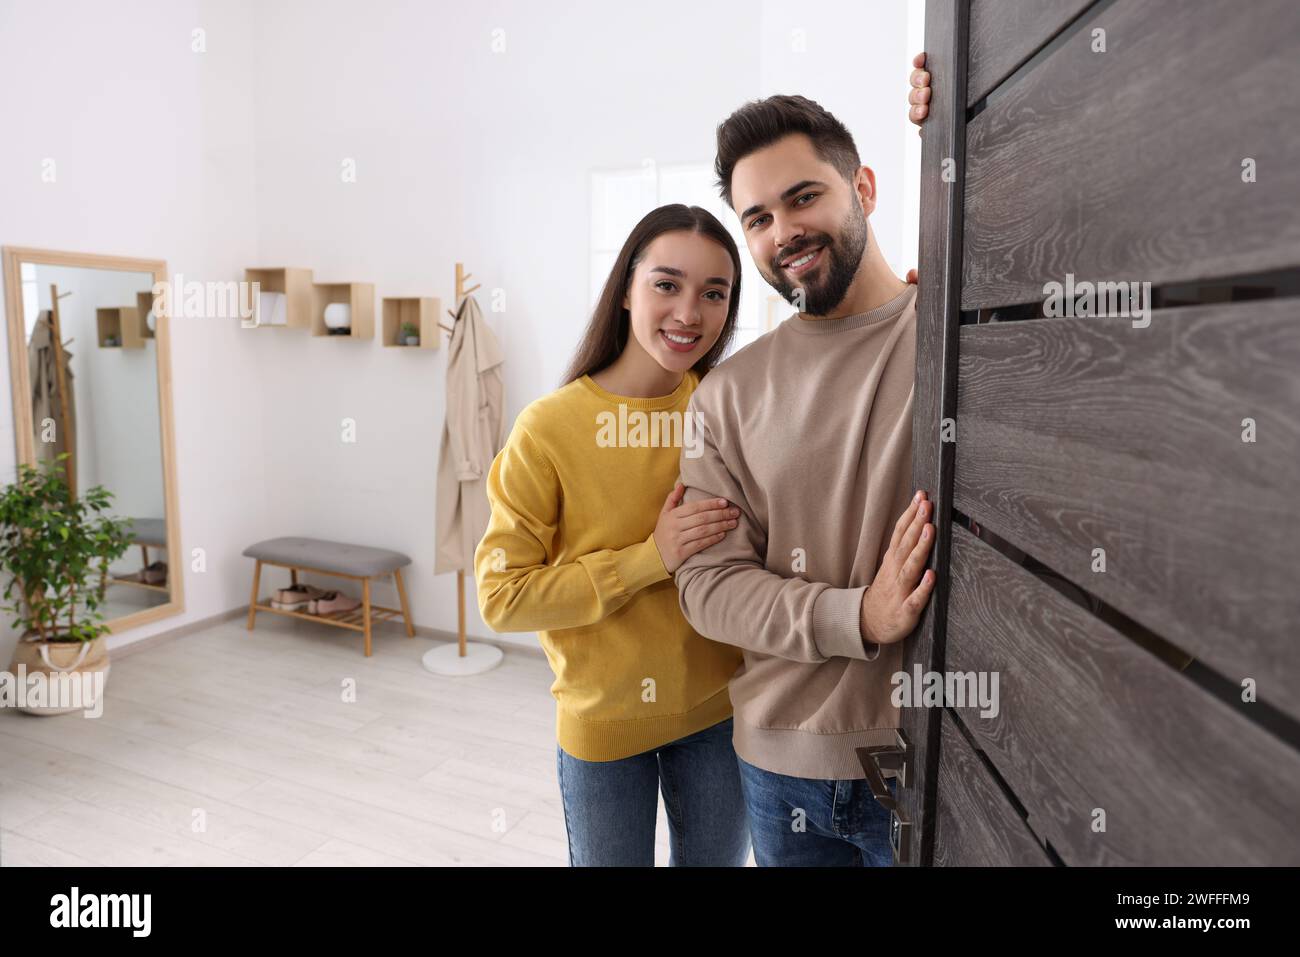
(410, 334)
(55, 550)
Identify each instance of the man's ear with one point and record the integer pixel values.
(865, 185)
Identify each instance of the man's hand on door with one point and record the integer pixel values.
(919, 95)
(892, 605)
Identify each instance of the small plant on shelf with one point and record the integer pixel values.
(410, 335)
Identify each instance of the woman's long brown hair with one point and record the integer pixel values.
(607, 332)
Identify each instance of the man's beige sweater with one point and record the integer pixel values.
(808, 431)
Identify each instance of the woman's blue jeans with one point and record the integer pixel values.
(610, 807)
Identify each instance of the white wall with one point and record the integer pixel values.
(462, 152)
(853, 58)
(154, 157)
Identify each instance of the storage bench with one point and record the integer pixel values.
(339, 559)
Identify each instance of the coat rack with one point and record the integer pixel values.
(470, 658)
(461, 293)
(69, 433)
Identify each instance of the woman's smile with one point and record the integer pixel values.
(680, 341)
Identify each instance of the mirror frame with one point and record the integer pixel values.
(20, 380)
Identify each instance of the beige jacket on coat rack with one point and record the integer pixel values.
(473, 433)
(45, 387)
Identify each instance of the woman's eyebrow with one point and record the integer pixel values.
(711, 281)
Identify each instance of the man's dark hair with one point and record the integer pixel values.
(761, 123)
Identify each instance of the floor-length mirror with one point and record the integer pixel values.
(92, 379)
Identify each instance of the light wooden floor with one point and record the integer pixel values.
(230, 747)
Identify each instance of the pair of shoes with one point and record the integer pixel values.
(155, 574)
(333, 603)
(296, 597)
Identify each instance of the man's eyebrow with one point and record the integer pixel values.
(796, 188)
(711, 281)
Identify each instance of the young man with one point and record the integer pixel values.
(808, 431)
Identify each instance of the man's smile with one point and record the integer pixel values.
(802, 261)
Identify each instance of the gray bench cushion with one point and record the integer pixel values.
(149, 531)
(341, 557)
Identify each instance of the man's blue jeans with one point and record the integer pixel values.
(808, 822)
(610, 806)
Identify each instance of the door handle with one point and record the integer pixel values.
(896, 757)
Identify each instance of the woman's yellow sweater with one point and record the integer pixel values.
(570, 553)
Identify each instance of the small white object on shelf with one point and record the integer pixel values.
(338, 315)
(150, 321)
(271, 309)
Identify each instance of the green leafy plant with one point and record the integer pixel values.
(409, 331)
(52, 546)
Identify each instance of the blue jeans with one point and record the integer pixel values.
(610, 806)
(841, 824)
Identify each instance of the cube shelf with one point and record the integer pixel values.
(297, 288)
(143, 304)
(421, 312)
(360, 297)
(121, 323)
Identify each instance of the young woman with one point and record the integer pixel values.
(587, 528)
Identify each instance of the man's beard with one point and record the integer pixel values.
(843, 256)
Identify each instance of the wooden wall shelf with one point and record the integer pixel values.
(143, 304)
(421, 312)
(296, 285)
(360, 297)
(121, 323)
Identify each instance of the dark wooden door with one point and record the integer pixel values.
(1117, 492)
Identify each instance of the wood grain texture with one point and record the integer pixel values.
(1127, 164)
(937, 317)
(1006, 33)
(1077, 434)
(1087, 720)
(975, 824)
